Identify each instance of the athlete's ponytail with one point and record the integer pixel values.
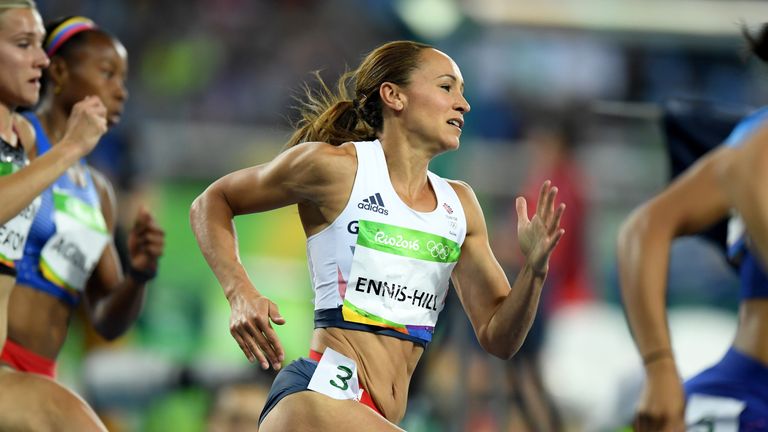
(344, 115)
(329, 116)
(757, 45)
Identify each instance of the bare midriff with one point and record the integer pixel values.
(6, 285)
(384, 364)
(37, 321)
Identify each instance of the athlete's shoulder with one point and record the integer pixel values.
(749, 125)
(322, 156)
(323, 149)
(466, 195)
(462, 188)
(470, 206)
(102, 184)
(107, 196)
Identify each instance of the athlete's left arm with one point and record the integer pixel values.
(114, 300)
(502, 315)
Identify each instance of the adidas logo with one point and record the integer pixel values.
(373, 203)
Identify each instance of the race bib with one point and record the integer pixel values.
(69, 256)
(399, 278)
(336, 376)
(705, 413)
(13, 234)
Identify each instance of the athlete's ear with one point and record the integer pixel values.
(58, 72)
(392, 96)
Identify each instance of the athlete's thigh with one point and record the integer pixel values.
(309, 411)
(33, 403)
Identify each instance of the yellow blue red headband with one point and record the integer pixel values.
(65, 31)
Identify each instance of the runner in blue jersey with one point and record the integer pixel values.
(729, 181)
(70, 255)
(29, 402)
(384, 236)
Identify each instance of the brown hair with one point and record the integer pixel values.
(344, 115)
(758, 45)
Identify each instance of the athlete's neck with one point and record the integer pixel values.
(407, 166)
(53, 119)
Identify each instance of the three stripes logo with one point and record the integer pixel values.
(373, 203)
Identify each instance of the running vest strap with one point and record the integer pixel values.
(13, 234)
(67, 237)
(754, 282)
(381, 266)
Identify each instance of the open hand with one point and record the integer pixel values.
(539, 235)
(250, 323)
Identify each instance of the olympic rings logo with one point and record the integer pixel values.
(438, 250)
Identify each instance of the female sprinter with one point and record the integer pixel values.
(70, 255)
(384, 235)
(30, 402)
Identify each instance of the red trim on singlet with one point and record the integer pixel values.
(25, 360)
(365, 398)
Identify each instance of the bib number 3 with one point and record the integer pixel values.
(336, 377)
(344, 384)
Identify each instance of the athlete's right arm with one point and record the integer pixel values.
(301, 174)
(86, 124)
(693, 202)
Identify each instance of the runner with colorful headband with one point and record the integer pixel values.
(30, 402)
(70, 256)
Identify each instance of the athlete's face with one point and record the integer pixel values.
(434, 103)
(98, 67)
(21, 56)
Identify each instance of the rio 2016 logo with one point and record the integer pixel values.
(438, 250)
(398, 241)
